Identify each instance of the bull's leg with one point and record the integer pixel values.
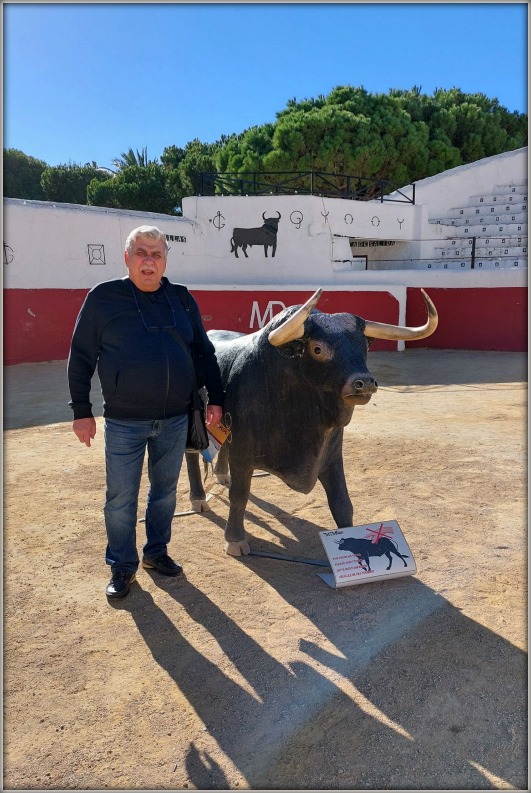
(197, 492)
(400, 555)
(235, 541)
(368, 562)
(265, 251)
(274, 249)
(333, 480)
(244, 249)
(221, 468)
(363, 557)
(390, 560)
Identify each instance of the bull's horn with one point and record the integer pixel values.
(379, 330)
(278, 213)
(293, 328)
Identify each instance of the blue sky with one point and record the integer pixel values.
(88, 81)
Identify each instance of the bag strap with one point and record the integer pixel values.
(196, 399)
(184, 296)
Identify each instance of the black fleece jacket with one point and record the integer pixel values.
(133, 339)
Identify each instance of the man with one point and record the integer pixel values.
(133, 329)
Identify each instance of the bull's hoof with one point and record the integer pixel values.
(241, 548)
(223, 479)
(199, 505)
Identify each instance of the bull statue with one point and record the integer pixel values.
(265, 235)
(291, 388)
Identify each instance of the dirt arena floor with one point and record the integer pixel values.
(252, 673)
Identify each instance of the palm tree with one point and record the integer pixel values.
(131, 158)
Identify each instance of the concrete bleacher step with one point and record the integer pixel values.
(474, 220)
(482, 263)
(487, 229)
(502, 264)
(491, 209)
(501, 197)
(491, 230)
(505, 253)
(517, 252)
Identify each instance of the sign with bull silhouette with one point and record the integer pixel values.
(370, 552)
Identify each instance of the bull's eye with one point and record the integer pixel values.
(320, 351)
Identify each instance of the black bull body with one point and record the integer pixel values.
(291, 388)
(265, 235)
(364, 549)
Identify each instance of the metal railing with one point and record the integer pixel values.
(328, 185)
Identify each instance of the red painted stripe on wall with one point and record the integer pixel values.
(473, 319)
(38, 323)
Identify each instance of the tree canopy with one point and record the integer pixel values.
(68, 183)
(400, 137)
(22, 175)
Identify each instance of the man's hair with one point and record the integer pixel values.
(146, 231)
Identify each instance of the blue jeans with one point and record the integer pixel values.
(125, 447)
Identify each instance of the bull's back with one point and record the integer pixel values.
(232, 346)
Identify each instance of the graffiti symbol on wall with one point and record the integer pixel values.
(8, 254)
(351, 221)
(296, 218)
(217, 220)
(325, 215)
(96, 254)
(375, 220)
(400, 222)
(265, 235)
(268, 314)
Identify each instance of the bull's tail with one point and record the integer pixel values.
(232, 246)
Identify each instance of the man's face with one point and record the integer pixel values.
(146, 263)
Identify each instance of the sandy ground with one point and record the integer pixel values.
(253, 673)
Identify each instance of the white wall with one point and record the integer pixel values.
(49, 243)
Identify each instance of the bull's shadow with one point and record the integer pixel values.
(456, 688)
(446, 703)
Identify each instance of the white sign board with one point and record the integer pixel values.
(371, 552)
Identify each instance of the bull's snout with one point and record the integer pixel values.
(359, 389)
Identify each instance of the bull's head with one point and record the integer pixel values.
(276, 219)
(336, 347)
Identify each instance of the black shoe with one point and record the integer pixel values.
(120, 583)
(162, 563)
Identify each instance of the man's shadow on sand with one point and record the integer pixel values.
(452, 692)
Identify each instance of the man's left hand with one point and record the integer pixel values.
(213, 414)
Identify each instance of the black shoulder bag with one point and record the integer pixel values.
(197, 439)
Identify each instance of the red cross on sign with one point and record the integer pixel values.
(382, 531)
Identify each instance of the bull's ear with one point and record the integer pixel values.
(293, 349)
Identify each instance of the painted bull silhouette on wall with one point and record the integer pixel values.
(265, 235)
(291, 388)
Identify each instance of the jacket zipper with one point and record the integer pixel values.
(167, 375)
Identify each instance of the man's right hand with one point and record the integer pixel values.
(85, 429)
